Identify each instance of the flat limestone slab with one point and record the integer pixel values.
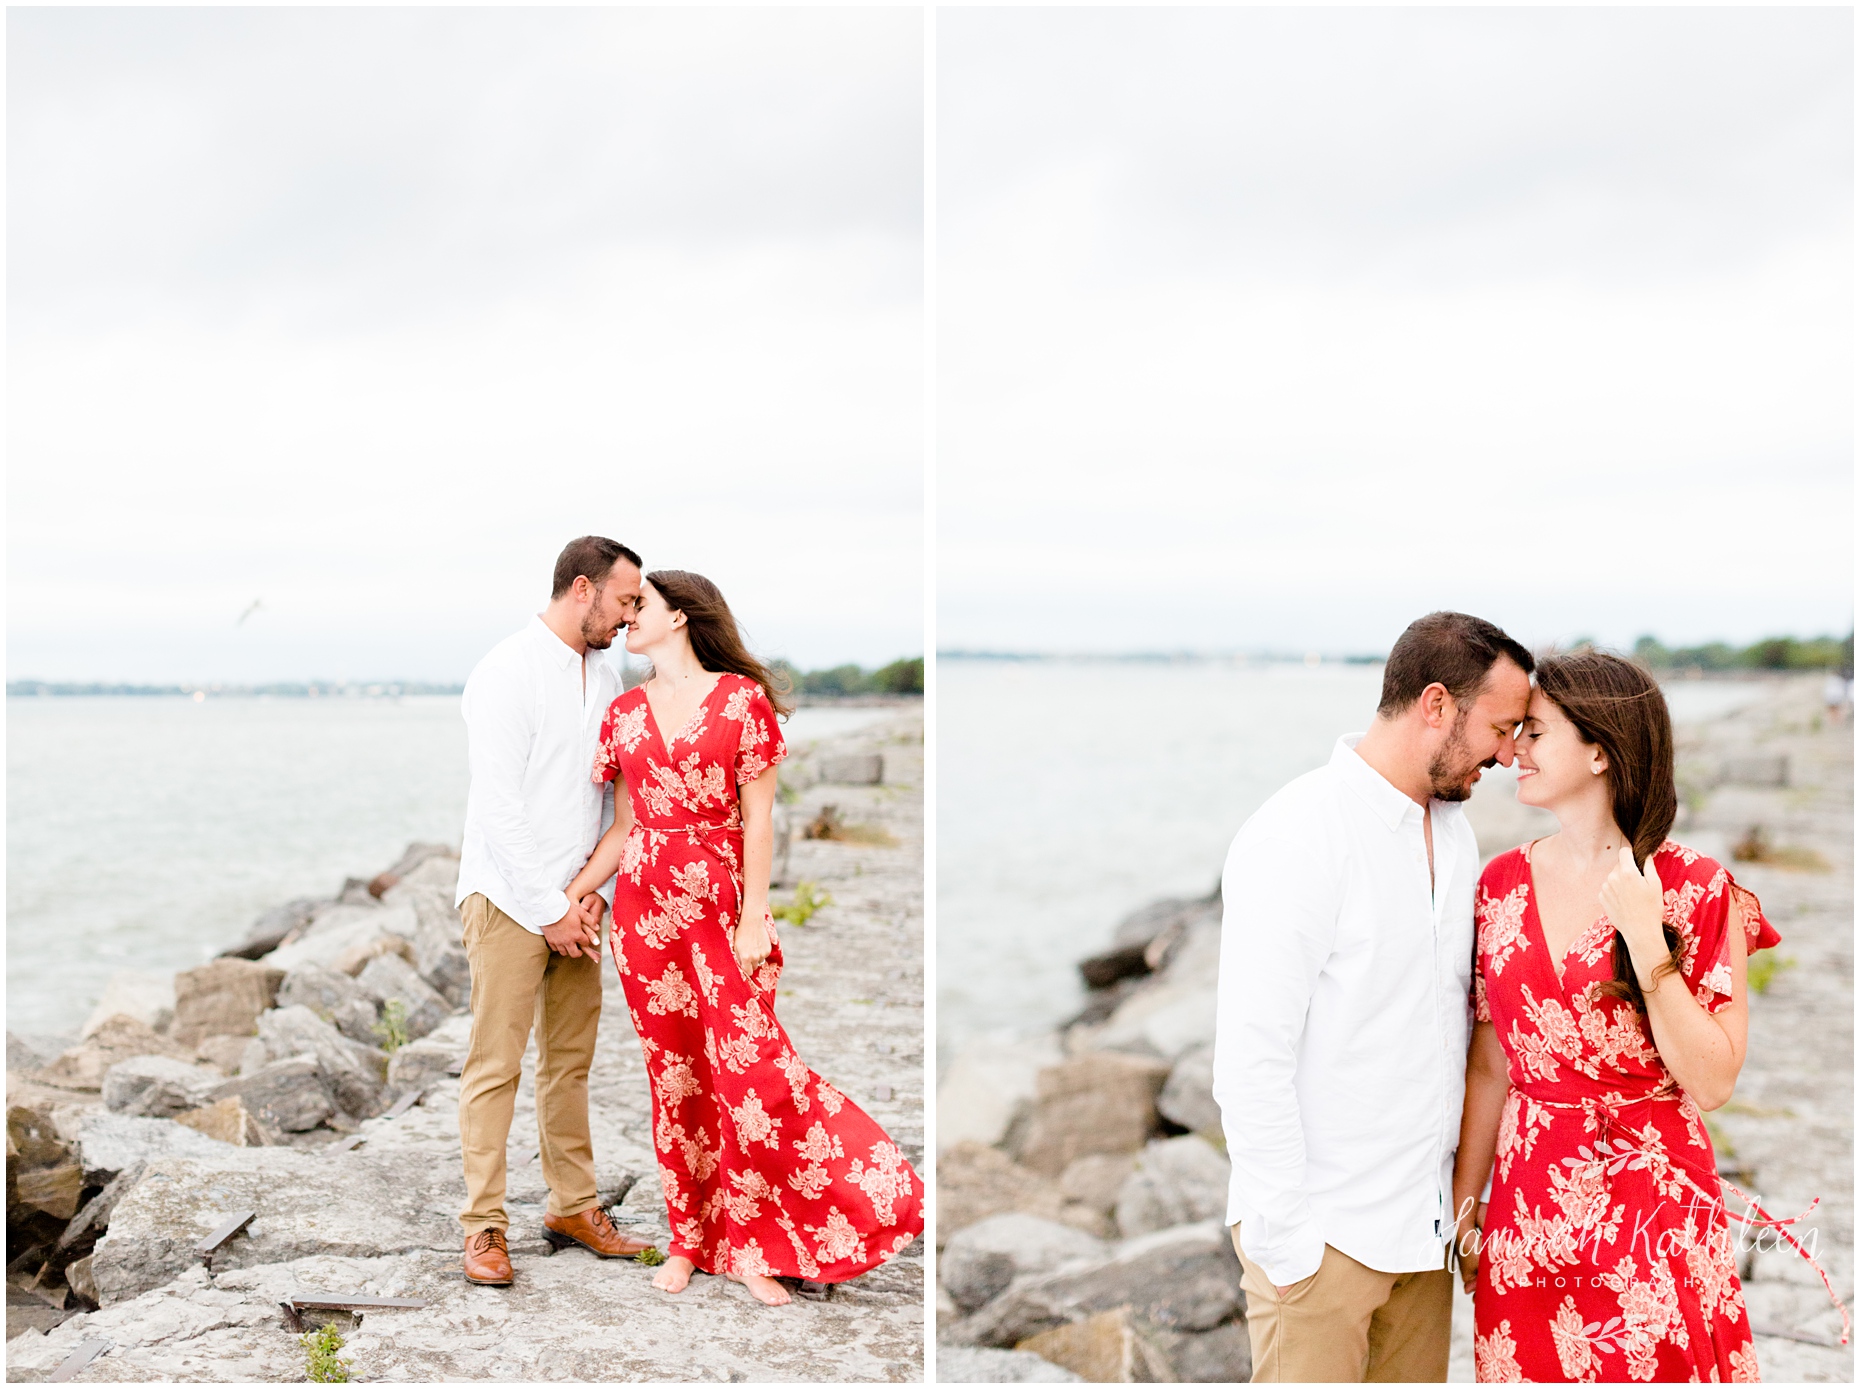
(307, 1203)
(569, 1316)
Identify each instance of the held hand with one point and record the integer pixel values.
(752, 941)
(570, 936)
(1636, 904)
(1468, 1241)
(595, 906)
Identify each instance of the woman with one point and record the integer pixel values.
(768, 1170)
(1610, 1008)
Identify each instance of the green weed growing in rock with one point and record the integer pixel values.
(392, 1029)
(650, 1256)
(321, 1364)
(1761, 972)
(808, 899)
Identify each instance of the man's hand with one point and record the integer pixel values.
(575, 932)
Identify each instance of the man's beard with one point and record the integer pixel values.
(1452, 765)
(597, 629)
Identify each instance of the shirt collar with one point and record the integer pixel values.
(1392, 807)
(559, 651)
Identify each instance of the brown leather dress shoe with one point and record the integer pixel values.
(591, 1229)
(487, 1258)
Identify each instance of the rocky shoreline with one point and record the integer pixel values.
(307, 1076)
(1082, 1175)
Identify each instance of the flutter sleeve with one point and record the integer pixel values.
(761, 745)
(1702, 901)
(618, 731)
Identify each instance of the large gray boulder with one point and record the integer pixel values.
(1177, 1181)
(1101, 1102)
(1169, 1017)
(346, 1204)
(1182, 1279)
(108, 1145)
(1221, 1356)
(292, 1095)
(222, 999)
(146, 997)
(981, 1260)
(344, 932)
(1187, 1097)
(985, 1365)
(422, 1063)
(119, 1038)
(334, 997)
(437, 934)
(275, 927)
(356, 1074)
(390, 979)
(974, 1182)
(988, 1086)
(157, 1087)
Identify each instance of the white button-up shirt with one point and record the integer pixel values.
(1343, 1022)
(534, 811)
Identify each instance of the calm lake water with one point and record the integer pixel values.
(148, 833)
(1070, 793)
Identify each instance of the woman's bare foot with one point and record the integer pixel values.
(763, 1289)
(674, 1274)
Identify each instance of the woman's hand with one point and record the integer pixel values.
(1636, 904)
(1468, 1240)
(752, 943)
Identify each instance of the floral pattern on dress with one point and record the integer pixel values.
(1607, 1255)
(766, 1168)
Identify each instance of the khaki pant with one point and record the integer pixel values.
(1348, 1323)
(517, 981)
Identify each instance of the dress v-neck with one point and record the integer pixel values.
(1537, 921)
(659, 733)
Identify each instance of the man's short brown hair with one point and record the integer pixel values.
(592, 557)
(1452, 649)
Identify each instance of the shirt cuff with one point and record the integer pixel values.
(556, 906)
(1289, 1261)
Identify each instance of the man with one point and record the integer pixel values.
(1343, 1021)
(533, 711)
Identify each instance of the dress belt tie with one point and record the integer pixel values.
(1619, 1151)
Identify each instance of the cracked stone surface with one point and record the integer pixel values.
(380, 1220)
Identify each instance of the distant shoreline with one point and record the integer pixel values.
(46, 689)
(314, 689)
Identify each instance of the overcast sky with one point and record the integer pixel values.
(362, 314)
(1278, 327)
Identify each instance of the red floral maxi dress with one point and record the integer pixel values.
(767, 1168)
(1607, 1252)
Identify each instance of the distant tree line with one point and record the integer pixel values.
(899, 678)
(1772, 653)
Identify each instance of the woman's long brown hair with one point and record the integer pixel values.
(1616, 706)
(715, 639)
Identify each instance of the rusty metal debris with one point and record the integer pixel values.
(347, 1143)
(86, 1352)
(344, 1302)
(229, 1227)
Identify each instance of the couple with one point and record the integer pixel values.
(1378, 1054)
(768, 1171)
